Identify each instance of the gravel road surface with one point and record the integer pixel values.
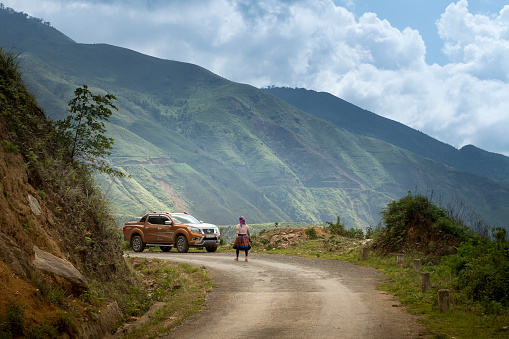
(274, 296)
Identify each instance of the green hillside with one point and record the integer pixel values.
(194, 141)
(359, 121)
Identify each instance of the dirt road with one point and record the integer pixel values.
(275, 296)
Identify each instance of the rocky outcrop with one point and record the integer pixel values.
(59, 268)
(34, 205)
(13, 256)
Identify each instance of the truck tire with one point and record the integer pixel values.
(211, 248)
(137, 243)
(165, 248)
(182, 244)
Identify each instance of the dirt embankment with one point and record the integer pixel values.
(47, 290)
(21, 230)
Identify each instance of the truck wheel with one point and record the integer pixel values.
(182, 244)
(211, 248)
(165, 248)
(137, 243)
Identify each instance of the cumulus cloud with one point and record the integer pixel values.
(323, 46)
(478, 44)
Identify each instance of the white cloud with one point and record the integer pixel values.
(478, 44)
(322, 46)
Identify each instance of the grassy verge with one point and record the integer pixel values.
(181, 287)
(465, 318)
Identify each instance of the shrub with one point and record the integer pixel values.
(482, 268)
(12, 323)
(338, 228)
(355, 233)
(311, 233)
(64, 323)
(427, 222)
(9, 146)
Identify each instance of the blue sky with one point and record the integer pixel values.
(441, 67)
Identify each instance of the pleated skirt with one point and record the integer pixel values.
(242, 242)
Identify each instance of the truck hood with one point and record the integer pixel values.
(202, 225)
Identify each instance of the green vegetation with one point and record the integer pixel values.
(311, 233)
(12, 323)
(415, 222)
(481, 269)
(339, 229)
(181, 287)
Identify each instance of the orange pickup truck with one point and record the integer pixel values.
(165, 229)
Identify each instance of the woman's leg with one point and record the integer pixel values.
(237, 252)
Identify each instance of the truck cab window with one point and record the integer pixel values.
(153, 219)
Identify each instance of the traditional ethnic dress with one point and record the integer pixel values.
(242, 240)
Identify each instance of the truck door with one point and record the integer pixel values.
(164, 231)
(150, 229)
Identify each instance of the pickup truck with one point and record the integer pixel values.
(166, 230)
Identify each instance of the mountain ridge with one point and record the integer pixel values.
(194, 140)
(360, 121)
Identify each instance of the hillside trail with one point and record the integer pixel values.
(274, 296)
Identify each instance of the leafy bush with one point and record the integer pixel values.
(482, 268)
(369, 232)
(311, 233)
(339, 229)
(428, 223)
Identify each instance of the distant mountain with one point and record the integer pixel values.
(359, 121)
(194, 141)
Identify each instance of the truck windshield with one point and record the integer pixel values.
(185, 219)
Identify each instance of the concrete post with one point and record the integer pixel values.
(400, 260)
(417, 265)
(364, 253)
(425, 282)
(443, 301)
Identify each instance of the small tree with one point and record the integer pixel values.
(82, 131)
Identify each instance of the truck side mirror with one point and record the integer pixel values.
(168, 222)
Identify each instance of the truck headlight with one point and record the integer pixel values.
(195, 230)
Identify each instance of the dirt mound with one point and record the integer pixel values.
(423, 237)
(284, 236)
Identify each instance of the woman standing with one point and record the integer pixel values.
(243, 239)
